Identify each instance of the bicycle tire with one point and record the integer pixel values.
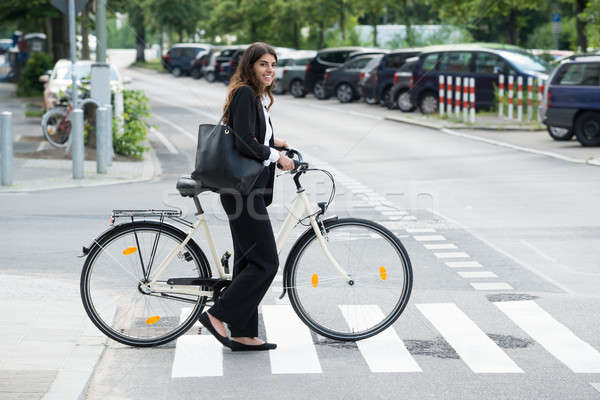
(310, 307)
(55, 131)
(94, 297)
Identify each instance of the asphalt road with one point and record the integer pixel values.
(503, 245)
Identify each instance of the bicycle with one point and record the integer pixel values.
(346, 278)
(56, 125)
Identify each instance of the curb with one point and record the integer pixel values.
(590, 161)
(150, 168)
(450, 126)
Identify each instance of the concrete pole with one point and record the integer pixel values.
(109, 135)
(101, 31)
(6, 148)
(72, 50)
(77, 143)
(119, 109)
(101, 142)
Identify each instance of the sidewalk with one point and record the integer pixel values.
(529, 137)
(39, 166)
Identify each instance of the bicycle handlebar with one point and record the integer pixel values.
(299, 163)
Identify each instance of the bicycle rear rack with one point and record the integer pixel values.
(151, 213)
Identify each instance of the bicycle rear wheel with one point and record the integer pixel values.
(55, 127)
(380, 287)
(113, 273)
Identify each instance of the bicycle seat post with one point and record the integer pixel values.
(198, 206)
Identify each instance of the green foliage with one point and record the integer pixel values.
(29, 85)
(446, 35)
(543, 38)
(123, 38)
(135, 128)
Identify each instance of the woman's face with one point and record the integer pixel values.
(264, 69)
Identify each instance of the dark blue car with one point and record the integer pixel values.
(388, 66)
(571, 103)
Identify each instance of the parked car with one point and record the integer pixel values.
(327, 58)
(571, 104)
(343, 80)
(367, 86)
(400, 92)
(178, 59)
(200, 61)
(233, 62)
(290, 72)
(387, 67)
(222, 63)
(59, 79)
(476, 61)
(5, 44)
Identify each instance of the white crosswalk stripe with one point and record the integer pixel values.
(429, 238)
(475, 348)
(556, 338)
(384, 352)
(296, 352)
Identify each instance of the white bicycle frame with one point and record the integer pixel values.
(301, 208)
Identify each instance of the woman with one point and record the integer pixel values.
(255, 254)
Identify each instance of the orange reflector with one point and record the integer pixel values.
(315, 280)
(152, 320)
(129, 250)
(382, 273)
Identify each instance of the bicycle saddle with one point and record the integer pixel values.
(189, 187)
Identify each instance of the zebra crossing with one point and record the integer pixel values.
(387, 352)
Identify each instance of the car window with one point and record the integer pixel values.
(176, 52)
(336, 57)
(582, 74)
(81, 71)
(456, 61)
(303, 61)
(430, 61)
(525, 61)
(358, 63)
(395, 61)
(408, 66)
(227, 53)
(283, 62)
(486, 63)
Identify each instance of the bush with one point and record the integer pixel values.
(29, 85)
(135, 128)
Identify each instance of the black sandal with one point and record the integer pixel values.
(205, 320)
(237, 346)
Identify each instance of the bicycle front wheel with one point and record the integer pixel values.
(116, 267)
(376, 294)
(56, 127)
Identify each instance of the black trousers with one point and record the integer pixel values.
(255, 260)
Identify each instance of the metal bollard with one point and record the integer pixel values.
(500, 95)
(472, 90)
(119, 109)
(457, 97)
(540, 84)
(465, 97)
(109, 135)
(6, 148)
(529, 98)
(77, 143)
(101, 140)
(520, 98)
(511, 80)
(441, 95)
(449, 95)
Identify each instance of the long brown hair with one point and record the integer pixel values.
(244, 76)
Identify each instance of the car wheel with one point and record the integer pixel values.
(278, 89)
(344, 93)
(587, 129)
(297, 88)
(386, 98)
(210, 76)
(428, 103)
(196, 73)
(403, 102)
(560, 133)
(177, 72)
(319, 91)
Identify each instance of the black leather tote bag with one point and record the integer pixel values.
(219, 165)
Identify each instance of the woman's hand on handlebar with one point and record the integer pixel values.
(284, 162)
(281, 143)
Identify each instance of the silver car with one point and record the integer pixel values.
(290, 72)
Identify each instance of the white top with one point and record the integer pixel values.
(269, 132)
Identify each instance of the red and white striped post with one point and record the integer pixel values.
(449, 95)
(500, 95)
(465, 98)
(511, 80)
(472, 89)
(540, 84)
(457, 97)
(441, 95)
(529, 98)
(520, 98)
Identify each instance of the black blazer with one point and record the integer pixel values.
(247, 118)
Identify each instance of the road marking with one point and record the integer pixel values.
(555, 337)
(420, 230)
(384, 352)
(296, 352)
(463, 264)
(474, 347)
(429, 238)
(491, 286)
(442, 246)
(477, 274)
(165, 142)
(176, 127)
(457, 254)
(596, 386)
(197, 355)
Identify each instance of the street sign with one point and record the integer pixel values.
(63, 5)
(555, 17)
